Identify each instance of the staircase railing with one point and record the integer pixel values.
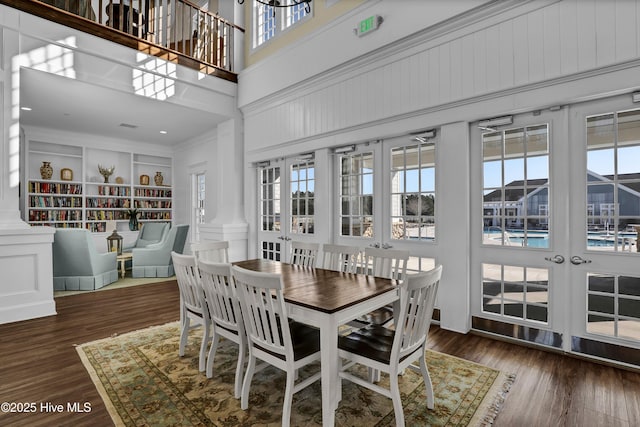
(175, 25)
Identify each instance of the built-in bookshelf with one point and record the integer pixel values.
(89, 202)
(55, 203)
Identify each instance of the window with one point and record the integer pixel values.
(270, 199)
(198, 205)
(356, 195)
(269, 21)
(302, 183)
(516, 187)
(612, 179)
(413, 192)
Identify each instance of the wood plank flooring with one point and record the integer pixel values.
(39, 364)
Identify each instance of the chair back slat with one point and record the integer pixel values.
(188, 280)
(345, 259)
(220, 294)
(212, 251)
(387, 263)
(264, 311)
(417, 298)
(304, 254)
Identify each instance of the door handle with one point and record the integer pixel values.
(576, 260)
(558, 259)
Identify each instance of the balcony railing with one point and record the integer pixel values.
(177, 27)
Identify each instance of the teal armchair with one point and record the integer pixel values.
(77, 264)
(150, 233)
(155, 260)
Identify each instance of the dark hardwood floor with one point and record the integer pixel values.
(39, 364)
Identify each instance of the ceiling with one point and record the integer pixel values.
(66, 104)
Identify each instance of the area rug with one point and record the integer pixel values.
(144, 382)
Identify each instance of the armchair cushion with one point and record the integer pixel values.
(155, 260)
(77, 265)
(150, 233)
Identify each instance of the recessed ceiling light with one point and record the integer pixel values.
(164, 132)
(25, 108)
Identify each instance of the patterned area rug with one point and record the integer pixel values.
(144, 382)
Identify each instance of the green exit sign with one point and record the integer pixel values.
(369, 24)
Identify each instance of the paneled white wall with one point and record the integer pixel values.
(541, 43)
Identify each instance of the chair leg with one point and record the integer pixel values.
(239, 368)
(184, 336)
(427, 382)
(212, 354)
(203, 346)
(246, 384)
(288, 398)
(395, 397)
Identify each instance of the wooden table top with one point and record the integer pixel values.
(324, 290)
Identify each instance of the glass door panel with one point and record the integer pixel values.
(287, 202)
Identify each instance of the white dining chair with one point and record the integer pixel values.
(192, 303)
(226, 316)
(343, 258)
(304, 253)
(273, 338)
(391, 351)
(211, 250)
(387, 263)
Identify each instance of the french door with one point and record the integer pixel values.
(287, 206)
(554, 250)
(386, 194)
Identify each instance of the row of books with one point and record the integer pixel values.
(150, 192)
(108, 190)
(153, 204)
(62, 215)
(55, 202)
(105, 215)
(54, 187)
(155, 215)
(107, 203)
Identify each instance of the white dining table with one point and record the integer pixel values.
(327, 299)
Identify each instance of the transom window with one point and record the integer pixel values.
(413, 192)
(269, 21)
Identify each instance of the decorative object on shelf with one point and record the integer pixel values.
(66, 174)
(114, 242)
(144, 179)
(119, 180)
(158, 179)
(106, 172)
(46, 171)
(133, 219)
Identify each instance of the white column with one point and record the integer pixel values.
(26, 288)
(454, 227)
(227, 177)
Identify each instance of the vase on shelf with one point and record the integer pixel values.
(46, 171)
(158, 179)
(133, 223)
